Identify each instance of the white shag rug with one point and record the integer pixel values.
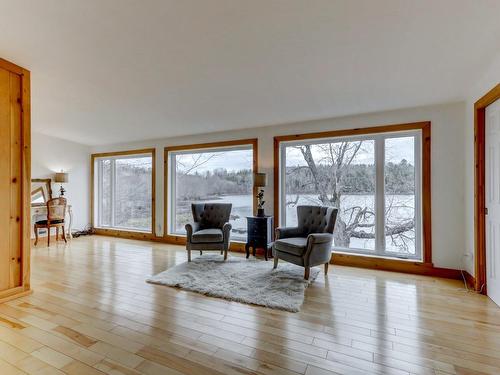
(242, 280)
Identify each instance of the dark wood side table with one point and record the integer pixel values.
(259, 234)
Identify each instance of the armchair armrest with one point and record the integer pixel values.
(226, 231)
(226, 228)
(317, 238)
(319, 249)
(287, 232)
(190, 229)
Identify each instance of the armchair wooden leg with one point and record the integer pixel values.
(306, 273)
(57, 233)
(275, 261)
(189, 255)
(36, 235)
(326, 268)
(201, 252)
(225, 254)
(64, 234)
(48, 236)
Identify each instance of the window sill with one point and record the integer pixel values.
(125, 233)
(391, 264)
(131, 230)
(377, 256)
(236, 245)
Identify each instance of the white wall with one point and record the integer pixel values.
(447, 165)
(488, 79)
(50, 155)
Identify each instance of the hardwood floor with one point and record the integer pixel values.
(92, 313)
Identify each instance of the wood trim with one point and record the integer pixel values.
(151, 151)
(172, 240)
(26, 177)
(14, 293)
(236, 246)
(131, 235)
(394, 265)
(356, 131)
(25, 180)
(254, 142)
(153, 191)
(92, 192)
(425, 127)
(276, 182)
(470, 280)
(201, 146)
(11, 67)
(340, 259)
(426, 193)
(480, 188)
(124, 153)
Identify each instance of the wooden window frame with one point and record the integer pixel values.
(411, 266)
(480, 187)
(253, 142)
(119, 232)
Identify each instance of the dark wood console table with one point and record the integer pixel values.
(260, 234)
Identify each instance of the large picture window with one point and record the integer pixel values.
(217, 173)
(375, 180)
(123, 191)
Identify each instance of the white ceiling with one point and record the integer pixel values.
(106, 71)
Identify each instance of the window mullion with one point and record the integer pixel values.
(172, 175)
(282, 187)
(380, 195)
(418, 195)
(99, 193)
(113, 192)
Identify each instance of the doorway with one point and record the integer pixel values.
(492, 197)
(480, 190)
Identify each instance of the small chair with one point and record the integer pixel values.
(210, 230)
(56, 212)
(310, 243)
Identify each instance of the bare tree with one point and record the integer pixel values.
(197, 160)
(354, 221)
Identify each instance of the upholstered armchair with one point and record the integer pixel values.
(308, 244)
(210, 229)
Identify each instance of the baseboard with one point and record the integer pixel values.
(470, 280)
(16, 293)
(125, 234)
(359, 261)
(172, 240)
(394, 265)
(238, 247)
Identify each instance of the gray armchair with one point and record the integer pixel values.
(210, 229)
(310, 243)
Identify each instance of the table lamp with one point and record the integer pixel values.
(61, 178)
(260, 181)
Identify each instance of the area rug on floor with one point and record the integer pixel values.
(242, 280)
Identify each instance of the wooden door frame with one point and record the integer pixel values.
(480, 188)
(25, 101)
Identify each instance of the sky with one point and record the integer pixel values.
(234, 160)
(396, 149)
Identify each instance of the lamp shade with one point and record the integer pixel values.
(260, 180)
(61, 177)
